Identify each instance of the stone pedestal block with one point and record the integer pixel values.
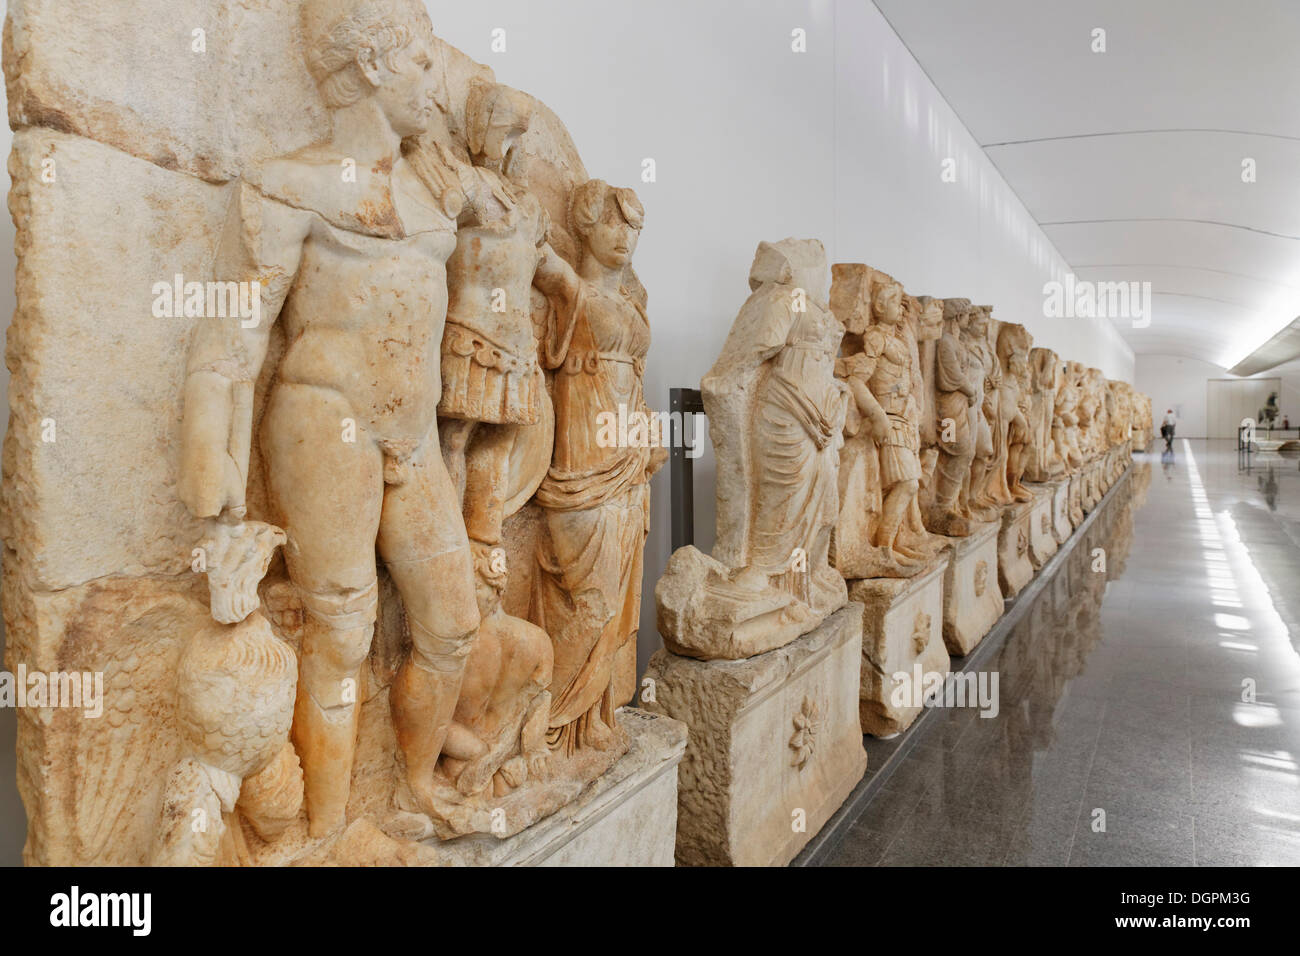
(775, 745)
(1087, 496)
(972, 597)
(1015, 569)
(1042, 526)
(1077, 481)
(626, 817)
(902, 634)
(1091, 489)
(1062, 527)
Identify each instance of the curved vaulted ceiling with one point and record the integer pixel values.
(1132, 159)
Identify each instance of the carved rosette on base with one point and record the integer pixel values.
(972, 597)
(1015, 568)
(902, 646)
(774, 746)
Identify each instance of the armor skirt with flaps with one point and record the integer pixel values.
(898, 453)
(484, 382)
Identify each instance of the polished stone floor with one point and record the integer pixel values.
(1126, 694)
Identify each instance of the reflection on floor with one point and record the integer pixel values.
(1126, 694)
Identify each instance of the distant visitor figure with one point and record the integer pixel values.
(1167, 429)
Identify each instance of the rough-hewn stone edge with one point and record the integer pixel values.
(37, 340)
(39, 99)
(18, 500)
(713, 695)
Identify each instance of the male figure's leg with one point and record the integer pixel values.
(326, 494)
(423, 543)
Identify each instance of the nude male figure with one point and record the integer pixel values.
(353, 268)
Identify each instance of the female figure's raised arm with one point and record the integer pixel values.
(561, 285)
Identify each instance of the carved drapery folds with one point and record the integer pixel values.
(776, 417)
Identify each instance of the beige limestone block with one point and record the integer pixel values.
(775, 745)
(91, 470)
(1015, 567)
(972, 597)
(1042, 526)
(902, 634)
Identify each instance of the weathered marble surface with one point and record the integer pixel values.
(1042, 525)
(1013, 346)
(775, 744)
(625, 817)
(1015, 567)
(880, 532)
(902, 634)
(951, 428)
(1046, 444)
(972, 596)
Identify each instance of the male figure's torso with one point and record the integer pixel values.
(365, 314)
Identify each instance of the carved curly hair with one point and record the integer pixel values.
(587, 205)
(386, 27)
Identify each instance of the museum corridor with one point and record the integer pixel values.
(607, 435)
(1128, 692)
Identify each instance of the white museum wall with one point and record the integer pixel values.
(1179, 383)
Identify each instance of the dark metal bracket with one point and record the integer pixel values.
(681, 469)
